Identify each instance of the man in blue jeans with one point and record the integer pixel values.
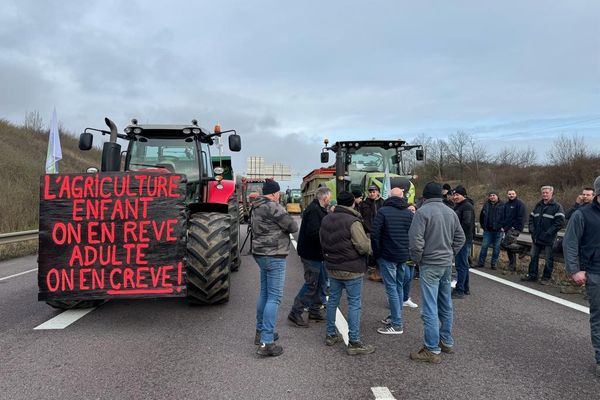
(463, 206)
(389, 240)
(490, 219)
(345, 249)
(271, 228)
(582, 260)
(435, 236)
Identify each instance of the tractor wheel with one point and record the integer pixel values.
(72, 304)
(208, 258)
(235, 234)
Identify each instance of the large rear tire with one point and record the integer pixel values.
(73, 304)
(208, 258)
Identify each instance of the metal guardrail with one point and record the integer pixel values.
(14, 237)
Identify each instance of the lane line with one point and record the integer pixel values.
(534, 292)
(19, 274)
(340, 322)
(382, 393)
(64, 319)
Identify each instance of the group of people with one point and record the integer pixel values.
(336, 248)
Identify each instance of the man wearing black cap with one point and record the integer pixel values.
(271, 228)
(368, 209)
(345, 248)
(435, 237)
(463, 207)
(358, 198)
(490, 219)
(447, 195)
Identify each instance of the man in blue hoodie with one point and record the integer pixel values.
(435, 237)
(389, 241)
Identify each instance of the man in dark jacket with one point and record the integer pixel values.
(466, 215)
(345, 248)
(546, 219)
(447, 195)
(389, 240)
(513, 221)
(582, 260)
(311, 255)
(368, 209)
(490, 219)
(271, 228)
(586, 197)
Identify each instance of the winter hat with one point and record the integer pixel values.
(357, 194)
(270, 187)
(460, 190)
(432, 190)
(345, 199)
(373, 187)
(597, 186)
(446, 187)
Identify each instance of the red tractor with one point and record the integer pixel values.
(209, 236)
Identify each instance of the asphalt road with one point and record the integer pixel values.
(509, 345)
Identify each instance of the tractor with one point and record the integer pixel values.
(362, 163)
(210, 214)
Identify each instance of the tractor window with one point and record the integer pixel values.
(373, 159)
(170, 153)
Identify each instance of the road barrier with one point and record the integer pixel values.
(14, 237)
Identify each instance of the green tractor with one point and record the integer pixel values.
(362, 163)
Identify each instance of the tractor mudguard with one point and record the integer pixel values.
(220, 195)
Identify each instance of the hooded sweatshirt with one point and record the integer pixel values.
(389, 233)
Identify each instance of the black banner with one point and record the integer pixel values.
(111, 234)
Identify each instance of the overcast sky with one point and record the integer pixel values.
(287, 74)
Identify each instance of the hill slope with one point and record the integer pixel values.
(22, 161)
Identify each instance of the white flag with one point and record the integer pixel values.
(54, 151)
(385, 190)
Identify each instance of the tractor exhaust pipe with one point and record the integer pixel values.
(111, 151)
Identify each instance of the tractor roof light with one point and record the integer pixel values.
(128, 130)
(196, 131)
(137, 131)
(187, 131)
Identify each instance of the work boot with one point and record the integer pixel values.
(528, 278)
(358, 347)
(297, 320)
(424, 355)
(330, 340)
(512, 267)
(545, 281)
(374, 276)
(269, 350)
(318, 317)
(457, 294)
(257, 337)
(493, 266)
(446, 349)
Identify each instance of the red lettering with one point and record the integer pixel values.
(129, 229)
(173, 184)
(139, 257)
(113, 284)
(65, 189)
(103, 194)
(171, 229)
(145, 201)
(161, 186)
(117, 209)
(97, 279)
(91, 254)
(66, 233)
(77, 208)
(166, 276)
(143, 232)
(76, 190)
(139, 283)
(67, 278)
(53, 273)
(92, 233)
(158, 232)
(76, 257)
(128, 277)
(47, 195)
(155, 277)
(82, 278)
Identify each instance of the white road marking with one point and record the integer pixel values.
(19, 274)
(62, 320)
(382, 393)
(534, 292)
(340, 322)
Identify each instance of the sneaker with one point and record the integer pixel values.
(317, 317)
(425, 355)
(297, 320)
(391, 330)
(257, 337)
(446, 349)
(545, 281)
(467, 292)
(269, 350)
(387, 320)
(330, 340)
(528, 278)
(409, 303)
(457, 294)
(355, 348)
(453, 284)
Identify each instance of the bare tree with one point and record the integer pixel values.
(476, 155)
(437, 157)
(33, 121)
(511, 156)
(458, 147)
(566, 150)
